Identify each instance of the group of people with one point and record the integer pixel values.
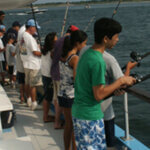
(76, 78)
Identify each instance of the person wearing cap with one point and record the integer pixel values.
(55, 74)
(2, 50)
(31, 58)
(10, 58)
(2, 16)
(14, 29)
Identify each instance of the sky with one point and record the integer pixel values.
(50, 1)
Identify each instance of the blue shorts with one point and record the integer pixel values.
(89, 134)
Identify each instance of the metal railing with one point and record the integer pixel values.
(141, 95)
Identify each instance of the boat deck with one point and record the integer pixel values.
(30, 123)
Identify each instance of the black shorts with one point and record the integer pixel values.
(65, 102)
(48, 88)
(10, 70)
(21, 78)
(110, 132)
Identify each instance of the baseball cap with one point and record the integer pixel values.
(16, 23)
(32, 23)
(2, 28)
(72, 28)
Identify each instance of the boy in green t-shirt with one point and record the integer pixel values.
(90, 87)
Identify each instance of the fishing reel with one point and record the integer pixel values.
(138, 77)
(135, 56)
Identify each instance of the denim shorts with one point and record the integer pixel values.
(89, 134)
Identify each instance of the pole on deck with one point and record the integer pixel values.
(65, 19)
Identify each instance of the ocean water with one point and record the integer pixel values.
(135, 19)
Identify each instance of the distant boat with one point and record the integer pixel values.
(87, 6)
(36, 10)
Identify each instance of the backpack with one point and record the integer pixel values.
(7, 119)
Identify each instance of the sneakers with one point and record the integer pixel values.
(34, 105)
(29, 102)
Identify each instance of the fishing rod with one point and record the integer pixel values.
(115, 10)
(137, 58)
(65, 19)
(93, 18)
(38, 34)
(139, 79)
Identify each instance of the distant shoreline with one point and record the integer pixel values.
(84, 3)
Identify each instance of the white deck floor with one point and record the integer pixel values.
(30, 123)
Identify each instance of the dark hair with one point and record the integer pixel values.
(106, 27)
(2, 13)
(70, 41)
(16, 24)
(48, 43)
(11, 36)
(27, 27)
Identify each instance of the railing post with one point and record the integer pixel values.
(126, 115)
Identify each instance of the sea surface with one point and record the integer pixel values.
(135, 19)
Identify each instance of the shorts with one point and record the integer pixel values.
(65, 102)
(21, 77)
(1, 66)
(33, 77)
(55, 89)
(110, 132)
(89, 134)
(4, 65)
(48, 88)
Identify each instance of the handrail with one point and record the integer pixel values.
(141, 95)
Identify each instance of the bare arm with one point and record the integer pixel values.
(73, 63)
(2, 50)
(37, 53)
(130, 66)
(101, 91)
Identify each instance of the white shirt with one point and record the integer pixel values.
(46, 62)
(27, 46)
(19, 63)
(113, 72)
(1, 53)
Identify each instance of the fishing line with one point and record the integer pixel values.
(93, 18)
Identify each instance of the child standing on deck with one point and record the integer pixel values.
(46, 61)
(10, 57)
(67, 64)
(90, 87)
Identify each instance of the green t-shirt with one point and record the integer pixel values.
(90, 72)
